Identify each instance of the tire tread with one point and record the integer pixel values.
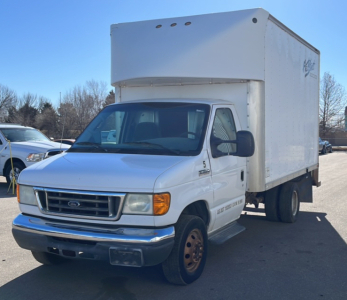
(171, 266)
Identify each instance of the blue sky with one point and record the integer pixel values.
(50, 46)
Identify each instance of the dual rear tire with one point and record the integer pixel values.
(283, 203)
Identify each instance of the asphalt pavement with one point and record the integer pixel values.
(270, 260)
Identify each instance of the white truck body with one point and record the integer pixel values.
(269, 73)
(242, 85)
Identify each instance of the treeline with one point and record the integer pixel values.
(77, 108)
(332, 105)
(81, 104)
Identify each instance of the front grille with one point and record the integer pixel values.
(80, 204)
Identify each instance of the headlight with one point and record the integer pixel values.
(26, 195)
(147, 204)
(138, 204)
(34, 157)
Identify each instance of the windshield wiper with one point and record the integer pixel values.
(155, 145)
(95, 145)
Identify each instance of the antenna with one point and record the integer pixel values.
(64, 117)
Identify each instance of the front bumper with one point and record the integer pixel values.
(121, 246)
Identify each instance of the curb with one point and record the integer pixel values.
(339, 148)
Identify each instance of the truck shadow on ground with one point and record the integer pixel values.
(267, 261)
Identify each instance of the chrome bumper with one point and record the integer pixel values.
(90, 233)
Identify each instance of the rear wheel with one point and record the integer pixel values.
(289, 202)
(271, 205)
(48, 258)
(188, 256)
(17, 168)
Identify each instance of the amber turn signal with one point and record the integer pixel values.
(18, 196)
(161, 204)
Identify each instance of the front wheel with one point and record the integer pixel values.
(17, 168)
(188, 256)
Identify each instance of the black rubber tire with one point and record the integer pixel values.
(48, 258)
(288, 206)
(324, 150)
(331, 149)
(174, 267)
(16, 165)
(271, 205)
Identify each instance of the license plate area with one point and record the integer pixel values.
(128, 257)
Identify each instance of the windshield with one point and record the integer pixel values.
(160, 128)
(23, 135)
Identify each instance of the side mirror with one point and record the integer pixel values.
(245, 144)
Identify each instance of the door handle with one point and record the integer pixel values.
(204, 172)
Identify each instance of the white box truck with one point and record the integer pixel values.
(212, 112)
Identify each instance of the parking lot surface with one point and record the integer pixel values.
(304, 260)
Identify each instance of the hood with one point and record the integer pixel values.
(40, 146)
(99, 171)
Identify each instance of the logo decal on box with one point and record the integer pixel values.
(308, 67)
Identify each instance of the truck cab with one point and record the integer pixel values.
(170, 159)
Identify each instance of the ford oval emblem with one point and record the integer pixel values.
(74, 204)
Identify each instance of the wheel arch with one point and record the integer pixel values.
(200, 209)
(8, 163)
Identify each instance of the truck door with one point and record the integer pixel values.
(228, 171)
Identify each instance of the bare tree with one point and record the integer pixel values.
(8, 99)
(67, 121)
(47, 119)
(81, 104)
(332, 102)
(97, 91)
(25, 111)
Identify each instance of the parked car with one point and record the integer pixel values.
(65, 141)
(28, 146)
(324, 146)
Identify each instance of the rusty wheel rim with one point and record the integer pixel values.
(193, 250)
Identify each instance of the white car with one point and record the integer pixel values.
(28, 146)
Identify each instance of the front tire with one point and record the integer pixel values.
(289, 202)
(187, 260)
(17, 168)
